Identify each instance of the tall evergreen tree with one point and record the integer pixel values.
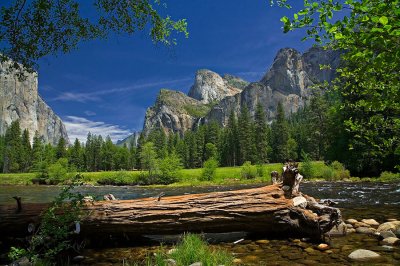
(279, 136)
(75, 156)
(108, 152)
(13, 148)
(261, 135)
(61, 149)
(246, 134)
(26, 151)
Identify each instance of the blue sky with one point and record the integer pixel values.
(105, 86)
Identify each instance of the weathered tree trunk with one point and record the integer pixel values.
(261, 210)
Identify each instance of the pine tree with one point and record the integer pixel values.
(13, 148)
(75, 156)
(108, 155)
(61, 149)
(26, 151)
(279, 136)
(38, 156)
(246, 133)
(261, 135)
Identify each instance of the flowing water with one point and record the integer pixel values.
(380, 201)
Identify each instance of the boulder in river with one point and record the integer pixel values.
(389, 226)
(386, 234)
(365, 230)
(363, 255)
(370, 222)
(390, 241)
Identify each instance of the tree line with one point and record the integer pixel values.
(315, 132)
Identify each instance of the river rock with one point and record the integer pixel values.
(349, 226)
(350, 231)
(300, 201)
(365, 230)
(262, 242)
(370, 222)
(389, 226)
(363, 255)
(386, 234)
(237, 261)
(390, 241)
(323, 246)
(351, 221)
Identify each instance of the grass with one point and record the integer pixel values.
(192, 177)
(191, 249)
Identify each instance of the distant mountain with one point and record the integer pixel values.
(19, 100)
(213, 97)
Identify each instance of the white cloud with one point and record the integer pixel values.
(84, 97)
(89, 113)
(79, 127)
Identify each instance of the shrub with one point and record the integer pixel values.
(248, 171)
(328, 173)
(210, 166)
(389, 176)
(54, 236)
(58, 171)
(169, 168)
(306, 169)
(191, 249)
(260, 170)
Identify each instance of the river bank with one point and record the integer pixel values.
(192, 177)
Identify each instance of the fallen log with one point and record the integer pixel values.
(266, 209)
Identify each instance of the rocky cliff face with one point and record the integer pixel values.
(212, 97)
(209, 87)
(174, 111)
(20, 100)
(289, 81)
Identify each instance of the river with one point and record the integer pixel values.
(379, 201)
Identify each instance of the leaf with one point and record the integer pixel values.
(383, 20)
(285, 20)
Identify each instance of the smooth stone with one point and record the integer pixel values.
(237, 261)
(390, 241)
(386, 234)
(250, 258)
(310, 250)
(170, 262)
(351, 221)
(323, 246)
(361, 224)
(328, 251)
(365, 230)
(349, 226)
(389, 226)
(196, 264)
(363, 255)
(262, 242)
(351, 230)
(370, 222)
(391, 220)
(384, 248)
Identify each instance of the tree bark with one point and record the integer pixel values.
(258, 210)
